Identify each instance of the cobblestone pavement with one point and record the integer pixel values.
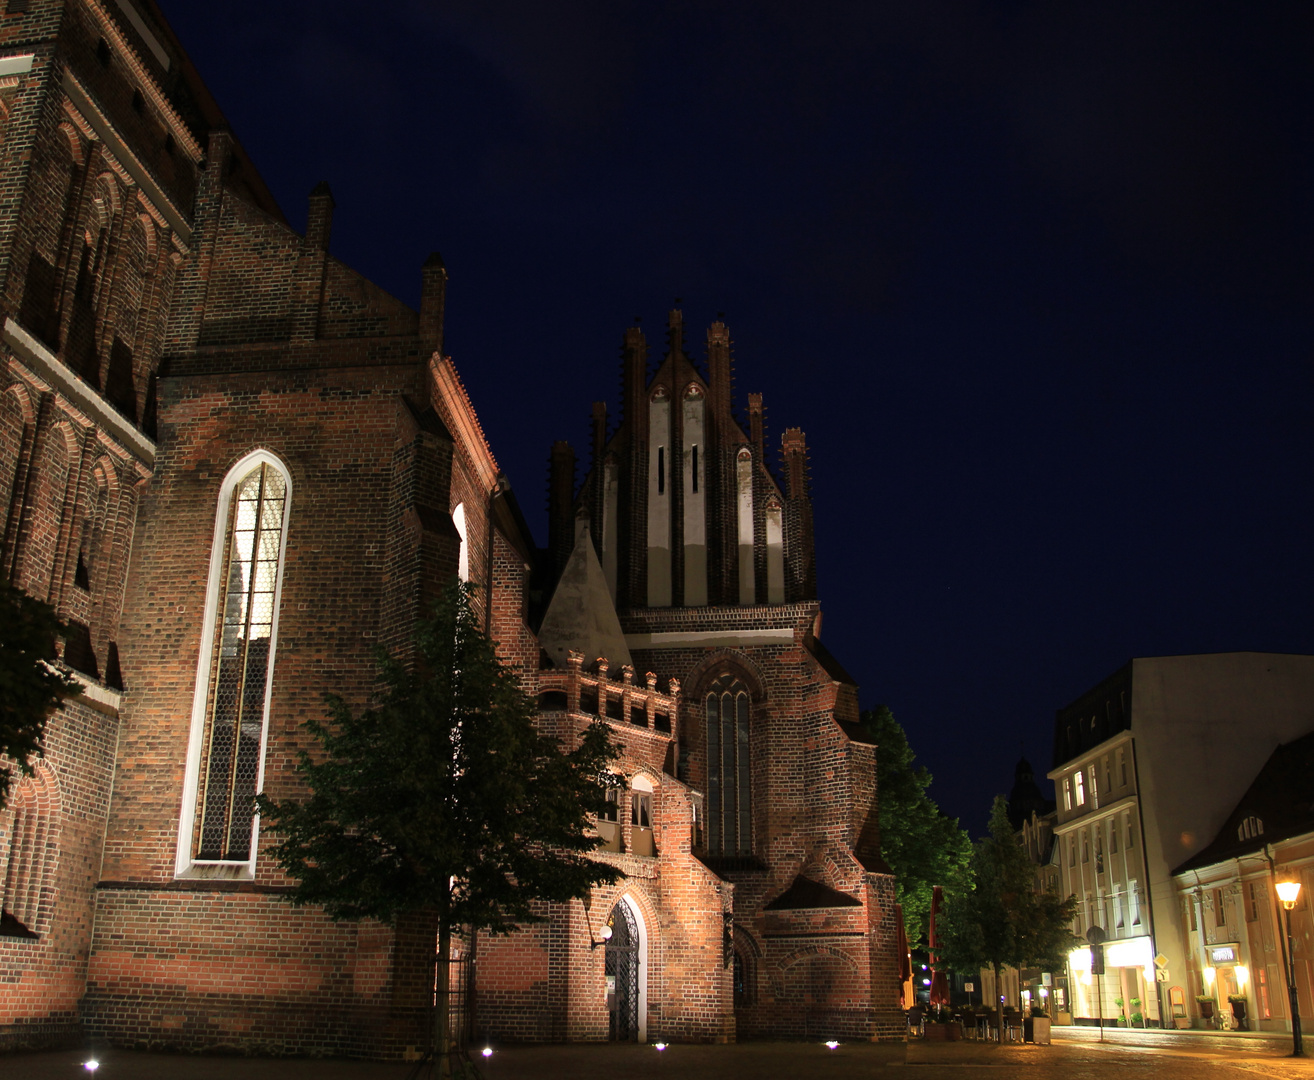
(1066, 1059)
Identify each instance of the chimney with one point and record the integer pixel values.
(319, 222)
(433, 299)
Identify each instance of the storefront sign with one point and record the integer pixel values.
(1131, 953)
(1223, 954)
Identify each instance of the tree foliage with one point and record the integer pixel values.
(923, 846)
(1001, 920)
(31, 688)
(444, 797)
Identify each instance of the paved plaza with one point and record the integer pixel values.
(1073, 1056)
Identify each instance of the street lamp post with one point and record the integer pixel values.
(1288, 891)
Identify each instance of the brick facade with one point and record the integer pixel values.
(164, 332)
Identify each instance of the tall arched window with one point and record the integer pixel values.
(463, 556)
(231, 711)
(27, 867)
(729, 788)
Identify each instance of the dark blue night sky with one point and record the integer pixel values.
(1035, 279)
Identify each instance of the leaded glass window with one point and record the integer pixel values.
(729, 787)
(240, 666)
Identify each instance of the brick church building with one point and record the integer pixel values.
(234, 467)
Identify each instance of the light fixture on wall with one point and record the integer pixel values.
(604, 935)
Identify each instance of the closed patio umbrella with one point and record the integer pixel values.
(939, 980)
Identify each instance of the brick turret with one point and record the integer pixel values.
(561, 494)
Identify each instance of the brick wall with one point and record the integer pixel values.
(48, 877)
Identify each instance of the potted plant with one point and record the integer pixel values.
(942, 1025)
(1122, 1014)
(1238, 1003)
(1206, 1004)
(1137, 1017)
(1035, 1028)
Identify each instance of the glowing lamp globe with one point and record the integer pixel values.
(1288, 892)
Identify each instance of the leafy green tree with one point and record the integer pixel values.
(31, 687)
(1002, 919)
(923, 846)
(444, 798)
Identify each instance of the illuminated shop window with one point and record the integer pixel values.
(729, 807)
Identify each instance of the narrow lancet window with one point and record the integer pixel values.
(729, 803)
(241, 661)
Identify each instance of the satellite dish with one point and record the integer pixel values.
(1096, 935)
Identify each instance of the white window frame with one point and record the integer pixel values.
(184, 865)
(1080, 787)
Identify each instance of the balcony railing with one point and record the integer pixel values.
(618, 700)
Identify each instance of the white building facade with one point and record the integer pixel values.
(1147, 767)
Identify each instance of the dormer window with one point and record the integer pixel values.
(1250, 828)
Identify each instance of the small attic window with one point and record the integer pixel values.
(103, 52)
(1250, 828)
(170, 147)
(138, 102)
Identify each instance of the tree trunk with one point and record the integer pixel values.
(999, 1008)
(442, 1006)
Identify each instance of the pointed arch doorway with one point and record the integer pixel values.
(626, 970)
